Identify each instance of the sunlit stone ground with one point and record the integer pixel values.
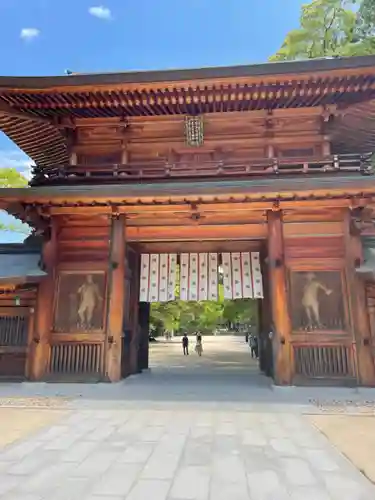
(209, 428)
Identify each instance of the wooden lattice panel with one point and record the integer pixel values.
(73, 359)
(13, 331)
(326, 362)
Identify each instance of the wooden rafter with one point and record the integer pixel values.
(7, 110)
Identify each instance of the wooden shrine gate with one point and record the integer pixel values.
(289, 265)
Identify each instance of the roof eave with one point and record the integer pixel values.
(178, 75)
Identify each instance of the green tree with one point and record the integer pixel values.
(331, 28)
(240, 311)
(11, 178)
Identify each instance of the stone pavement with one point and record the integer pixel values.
(182, 433)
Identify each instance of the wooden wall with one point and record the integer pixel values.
(334, 350)
(82, 248)
(161, 138)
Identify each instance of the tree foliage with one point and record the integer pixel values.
(205, 316)
(11, 178)
(331, 28)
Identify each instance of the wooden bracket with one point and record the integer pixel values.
(276, 206)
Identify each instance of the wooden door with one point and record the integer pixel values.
(14, 326)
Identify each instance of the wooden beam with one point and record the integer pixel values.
(356, 297)
(40, 348)
(283, 370)
(116, 291)
(199, 246)
(220, 206)
(7, 110)
(206, 232)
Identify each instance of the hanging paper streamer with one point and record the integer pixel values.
(202, 276)
(257, 276)
(213, 277)
(227, 275)
(184, 276)
(198, 276)
(242, 275)
(158, 277)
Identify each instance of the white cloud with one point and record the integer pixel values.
(11, 158)
(100, 12)
(29, 33)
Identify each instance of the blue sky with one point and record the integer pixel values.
(45, 37)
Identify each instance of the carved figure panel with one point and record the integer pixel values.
(317, 301)
(80, 302)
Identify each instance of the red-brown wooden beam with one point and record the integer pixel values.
(116, 291)
(39, 350)
(283, 369)
(358, 312)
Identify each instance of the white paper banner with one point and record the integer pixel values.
(172, 276)
(158, 277)
(145, 276)
(184, 276)
(247, 283)
(257, 276)
(242, 276)
(227, 276)
(213, 277)
(202, 276)
(193, 277)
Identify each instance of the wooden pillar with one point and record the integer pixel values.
(144, 326)
(124, 154)
(39, 349)
(116, 291)
(73, 158)
(30, 343)
(265, 326)
(283, 370)
(358, 313)
(326, 148)
(136, 333)
(270, 151)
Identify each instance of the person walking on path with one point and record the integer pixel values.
(185, 345)
(198, 345)
(254, 346)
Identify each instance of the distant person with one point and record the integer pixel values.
(254, 346)
(185, 345)
(198, 345)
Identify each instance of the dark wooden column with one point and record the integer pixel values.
(134, 304)
(358, 313)
(116, 291)
(39, 349)
(144, 326)
(283, 370)
(265, 356)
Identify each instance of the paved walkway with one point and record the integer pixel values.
(193, 431)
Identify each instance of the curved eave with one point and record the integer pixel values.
(273, 70)
(290, 190)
